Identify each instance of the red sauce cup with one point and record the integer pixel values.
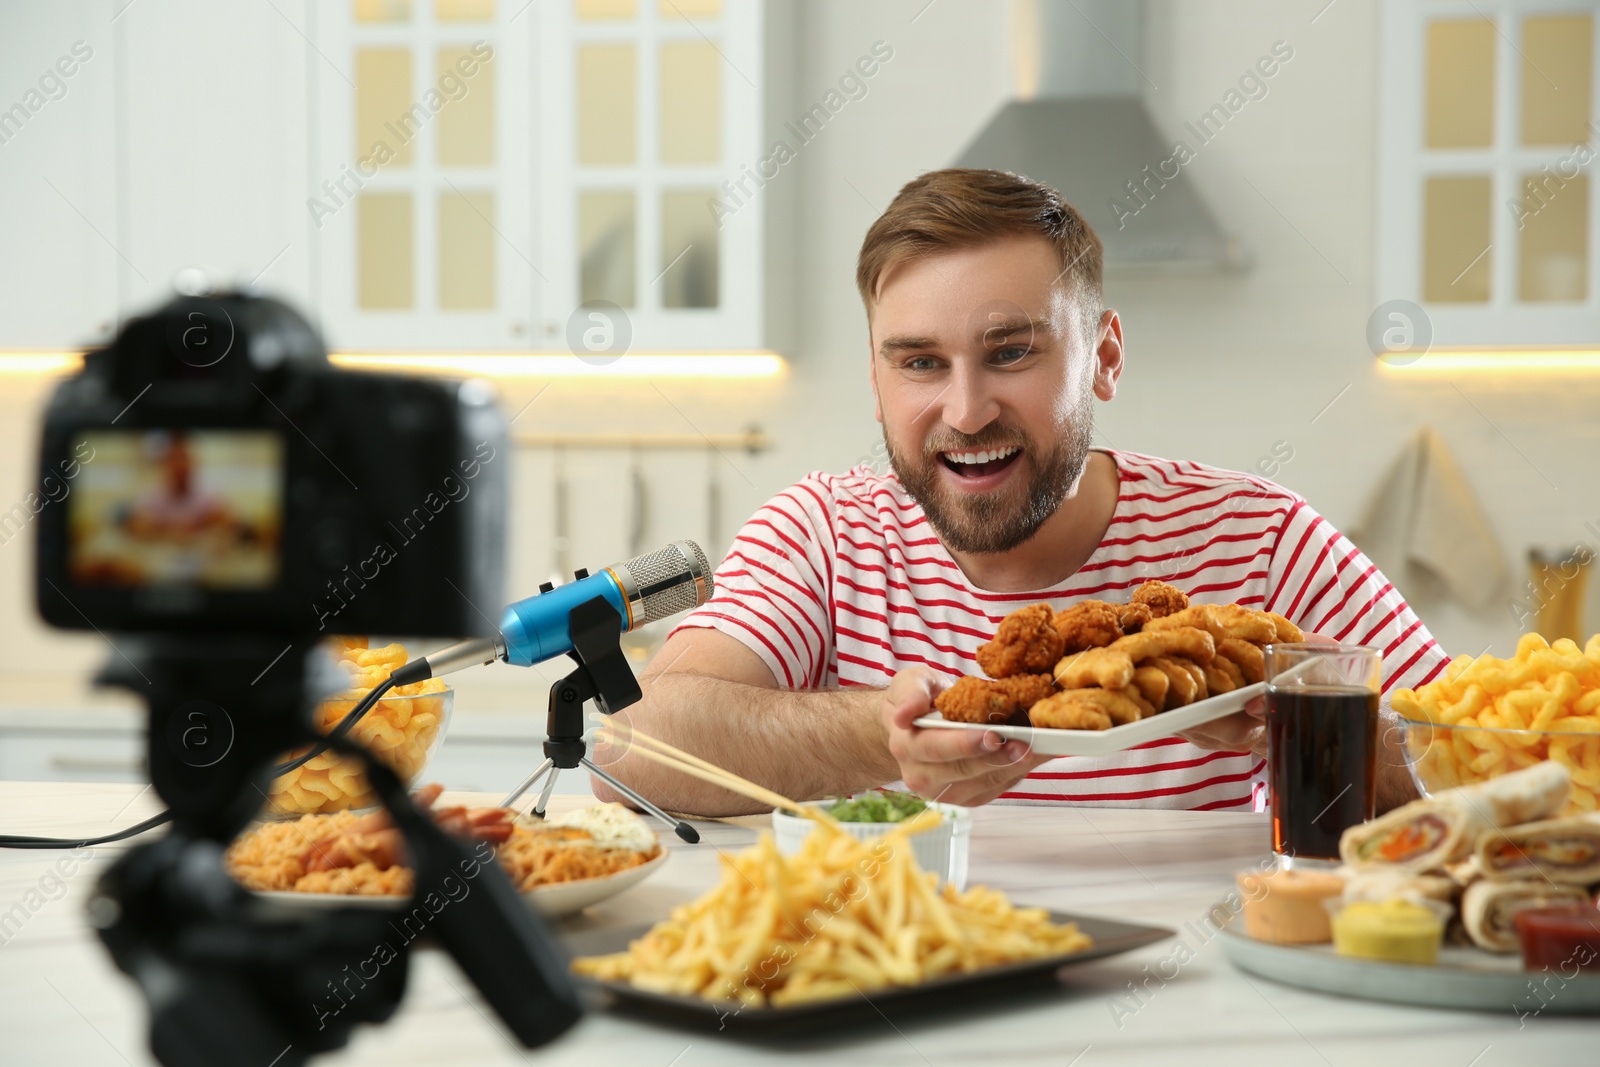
(1563, 939)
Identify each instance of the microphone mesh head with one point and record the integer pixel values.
(673, 579)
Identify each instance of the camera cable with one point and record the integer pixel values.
(399, 677)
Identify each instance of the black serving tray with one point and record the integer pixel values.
(941, 994)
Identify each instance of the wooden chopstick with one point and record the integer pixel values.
(696, 767)
(736, 785)
(687, 757)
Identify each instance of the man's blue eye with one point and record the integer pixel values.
(1010, 354)
(919, 363)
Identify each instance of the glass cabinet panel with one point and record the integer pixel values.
(691, 102)
(466, 250)
(384, 250)
(689, 255)
(1456, 258)
(607, 120)
(463, 10)
(466, 122)
(383, 103)
(1460, 84)
(606, 245)
(382, 10)
(1555, 238)
(689, 9)
(605, 10)
(1556, 79)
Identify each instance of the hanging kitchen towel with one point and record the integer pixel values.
(1425, 516)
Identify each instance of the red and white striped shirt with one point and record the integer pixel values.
(839, 580)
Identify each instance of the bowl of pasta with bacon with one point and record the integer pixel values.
(559, 865)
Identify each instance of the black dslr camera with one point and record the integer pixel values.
(233, 499)
(227, 478)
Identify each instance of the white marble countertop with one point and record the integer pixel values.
(62, 1002)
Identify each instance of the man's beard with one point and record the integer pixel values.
(984, 523)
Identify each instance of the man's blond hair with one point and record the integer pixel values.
(944, 210)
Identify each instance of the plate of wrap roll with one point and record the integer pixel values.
(1425, 908)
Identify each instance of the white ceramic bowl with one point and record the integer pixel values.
(942, 850)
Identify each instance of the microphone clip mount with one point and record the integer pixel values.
(604, 676)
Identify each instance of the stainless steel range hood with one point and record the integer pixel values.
(1079, 123)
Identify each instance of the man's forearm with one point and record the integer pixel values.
(803, 744)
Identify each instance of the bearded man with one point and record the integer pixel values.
(849, 601)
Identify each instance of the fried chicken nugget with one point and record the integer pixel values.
(1153, 684)
(976, 700)
(1160, 598)
(1222, 676)
(1197, 672)
(1288, 632)
(1086, 709)
(1028, 689)
(1101, 667)
(1132, 617)
(1187, 641)
(1146, 708)
(993, 703)
(1221, 620)
(1088, 624)
(1186, 682)
(1060, 712)
(1249, 658)
(1026, 643)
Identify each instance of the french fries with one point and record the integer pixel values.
(400, 730)
(1544, 686)
(840, 917)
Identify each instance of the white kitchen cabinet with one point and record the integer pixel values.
(494, 175)
(60, 230)
(177, 142)
(229, 138)
(423, 175)
(1488, 210)
(213, 111)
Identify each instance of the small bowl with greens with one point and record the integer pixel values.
(942, 849)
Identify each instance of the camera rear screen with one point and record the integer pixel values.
(199, 508)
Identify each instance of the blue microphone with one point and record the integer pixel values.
(642, 590)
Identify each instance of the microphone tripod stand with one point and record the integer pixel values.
(604, 676)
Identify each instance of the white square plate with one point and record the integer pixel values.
(1047, 742)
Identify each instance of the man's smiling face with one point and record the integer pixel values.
(985, 383)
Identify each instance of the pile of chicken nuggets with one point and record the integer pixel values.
(1097, 664)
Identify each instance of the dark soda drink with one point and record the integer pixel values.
(1321, 765)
